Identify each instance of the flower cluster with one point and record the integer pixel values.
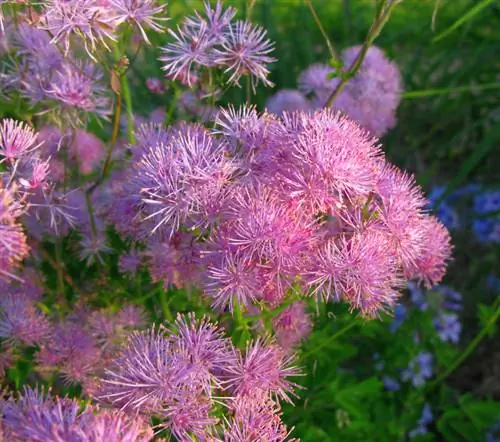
(371, 97)
(78, 347)
(41, 416)
(184, 372)
(215, 41)
(262, 207)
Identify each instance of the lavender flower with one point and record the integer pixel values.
(373, 95)
(246, 51)
(140, 12)
(77, 87)
(21, 321)
(391, 384)
(292, 325)
(94, 23)
(263, 369)
(17, 140)
(419, 369)
(287, 100)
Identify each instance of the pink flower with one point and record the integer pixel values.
(292, 325)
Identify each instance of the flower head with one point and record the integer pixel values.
(245, 51)
(287, 100)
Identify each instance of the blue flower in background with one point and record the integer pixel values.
(445, 212)
(422, 423)
(417, 296)
(419, 369)
(390, 383)
(450, 299)
(400, 314)
(487, 208)
(448, 327)
(493, 282)
(493, 434)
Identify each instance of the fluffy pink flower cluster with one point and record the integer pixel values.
(78, 347)
(371, 98)
(40, 417)
(181, 374)
(215, 41)
(260, 208)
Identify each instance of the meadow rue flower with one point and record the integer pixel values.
(373, 95)
(94, 23)
(371, 98)
(246, 51)
(292, 325)
(20, 321)
(287, 100)
(281, 201)
(264, 368)
(238, 48)
(140, 12)
(17, 140)
(130, 263)
(39, 416)
(419, 369)
(78, 86)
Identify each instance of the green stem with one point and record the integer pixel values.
(269, 314)
(445, 91)
(470, 348)
(127, 97)
(383, 13)
(60, 276)
(164, 306)
(328, 341)
(329, 44)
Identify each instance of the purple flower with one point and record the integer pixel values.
(21, 321)
(448, 327)
(263, 369)
(39, 417)
(373, 95)
(201, 348)
(13, 247)
(140, 12)
(314, 81)
(245, 51)
(359, 269)
(93, 22)
(419, 369)
(287, 100)
(17, 140)
(144, 375)
(130, 263)
(77, 86)
(292, 325)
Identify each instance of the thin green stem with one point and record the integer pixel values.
(332, 338)
(167, 314)
(269, 314)
(470, 348)
(445, 91)
(60, 275)
(329, 44)
(382, 16)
